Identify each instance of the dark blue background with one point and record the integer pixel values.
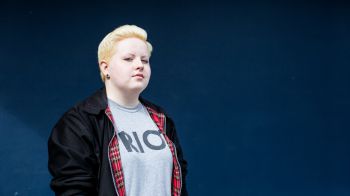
(259, 90)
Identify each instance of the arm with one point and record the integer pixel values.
(72, 161)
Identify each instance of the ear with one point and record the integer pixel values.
(104, 67)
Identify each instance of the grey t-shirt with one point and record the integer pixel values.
(145, 156)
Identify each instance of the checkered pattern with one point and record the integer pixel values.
(159, 119)
(115, 160)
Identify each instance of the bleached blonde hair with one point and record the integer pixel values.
(106, 47)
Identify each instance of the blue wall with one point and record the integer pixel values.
(260, 91)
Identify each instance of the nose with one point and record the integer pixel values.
(139, 64)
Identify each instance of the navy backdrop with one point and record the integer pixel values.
(259, 90)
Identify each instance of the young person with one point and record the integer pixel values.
(115, 142)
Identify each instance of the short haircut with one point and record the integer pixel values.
(106, 48)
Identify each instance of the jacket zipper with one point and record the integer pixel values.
(177, 160)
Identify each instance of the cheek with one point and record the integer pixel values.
(149, 70)
(118, 68)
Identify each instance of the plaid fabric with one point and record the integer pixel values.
(115, 160)
(159, 119)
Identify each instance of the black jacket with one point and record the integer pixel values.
(78, 149)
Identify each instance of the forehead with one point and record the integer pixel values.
(131, 45)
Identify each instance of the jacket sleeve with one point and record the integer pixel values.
(183, 163)
(72, 161)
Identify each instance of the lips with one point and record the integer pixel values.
(139, 75)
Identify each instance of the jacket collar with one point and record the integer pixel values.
(97, 102)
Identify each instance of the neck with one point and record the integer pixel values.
(126, 99)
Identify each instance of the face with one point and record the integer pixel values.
(129, 67)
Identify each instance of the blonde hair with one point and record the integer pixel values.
(106, 48)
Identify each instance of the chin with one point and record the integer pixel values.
(138, 89)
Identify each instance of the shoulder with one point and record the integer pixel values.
(71, 122)
(153, 106)
(78, 117)
(93, 104)
(156, 108)
(170, 125)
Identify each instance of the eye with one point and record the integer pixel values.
(145, 61)
(128, 59)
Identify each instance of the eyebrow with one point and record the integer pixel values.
(130, 54)
(143, 56)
